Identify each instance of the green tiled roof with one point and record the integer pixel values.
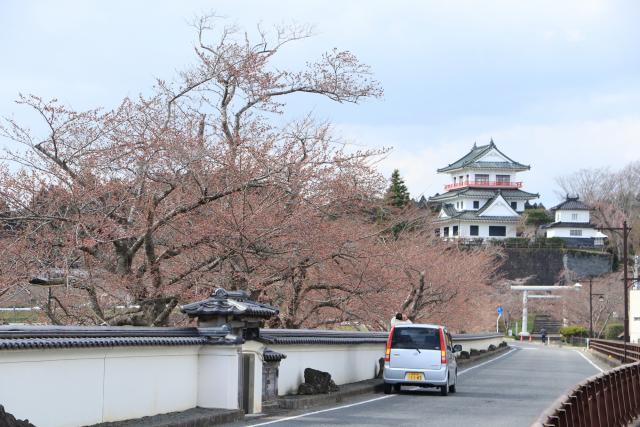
(471, 159)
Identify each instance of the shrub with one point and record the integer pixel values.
(574, 331)
(492, 347)
(474, 352)
(612, 331)
(464, 355)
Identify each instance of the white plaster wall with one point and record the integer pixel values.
(472, 175)
(566, 232)
(148, 380)
(72, 387)
(217, 381)
(345, 363)
(464, 230)
(468, 202)
(53, 387)
(567, 216)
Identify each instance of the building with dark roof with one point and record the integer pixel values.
(483, 199)
(573, 224)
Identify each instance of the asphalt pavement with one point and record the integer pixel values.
(511, 390)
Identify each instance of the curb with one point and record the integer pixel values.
(195, 417)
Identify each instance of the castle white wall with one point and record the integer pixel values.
(566, 232)
(470, 175)
(572, 216)
(464, 230)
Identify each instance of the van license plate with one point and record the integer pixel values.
(414, 376)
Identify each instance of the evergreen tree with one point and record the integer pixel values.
(397, 193)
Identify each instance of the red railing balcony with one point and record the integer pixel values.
(482, 183)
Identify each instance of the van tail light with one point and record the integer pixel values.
(443, 348)
(387, 352)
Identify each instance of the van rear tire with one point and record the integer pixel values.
(387, 388)
(444, 390)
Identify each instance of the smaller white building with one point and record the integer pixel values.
(573, 224)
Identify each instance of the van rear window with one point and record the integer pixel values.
(412, 338)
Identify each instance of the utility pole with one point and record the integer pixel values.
(625, 256)
(590, 308)
(625, 282)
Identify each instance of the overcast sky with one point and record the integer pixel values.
(555, 83)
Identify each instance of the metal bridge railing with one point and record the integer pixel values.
(608, 399)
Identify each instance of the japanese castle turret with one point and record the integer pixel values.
(484, 199)
(573, 224)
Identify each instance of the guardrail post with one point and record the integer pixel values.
(635, 386)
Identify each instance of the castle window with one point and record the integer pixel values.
(503, 179)
(514, 206)
(574, 216)
(497, 231)
(476, 204)
(575, 233)
(446, 232)
(482, 178)
(455, 230)
(474, 230)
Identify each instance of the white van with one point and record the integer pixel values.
(420, 355)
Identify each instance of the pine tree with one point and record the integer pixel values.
(397, 193)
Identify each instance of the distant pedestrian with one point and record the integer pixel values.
(543, 332)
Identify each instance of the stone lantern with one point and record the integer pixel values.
(232, 308)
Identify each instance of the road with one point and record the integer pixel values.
(511, 390)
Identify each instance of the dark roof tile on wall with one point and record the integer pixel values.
(572, 204)
(473, 156)
(33, 337)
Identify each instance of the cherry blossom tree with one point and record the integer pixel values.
(127, 213)
(134, 210)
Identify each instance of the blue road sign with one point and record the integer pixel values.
(499, 310)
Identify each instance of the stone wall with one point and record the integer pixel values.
(551, 265)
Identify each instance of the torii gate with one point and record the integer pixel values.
(525, 297)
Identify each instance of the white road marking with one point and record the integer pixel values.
(370, 400)
(324, 410)
(487, 362)
(587, 359)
